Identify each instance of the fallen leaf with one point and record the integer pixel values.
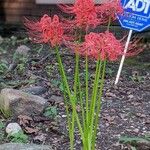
(24, 120)
(31, 130)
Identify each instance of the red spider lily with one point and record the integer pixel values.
(87, 14)
(109, 10)
(104, 46)
(134, 47)
(84, 11)
(47, 30)
(99, 46)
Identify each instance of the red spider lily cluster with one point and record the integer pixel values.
(86, 14)
(134, 47)
(101, 46)
(47, 30)
(109, 10)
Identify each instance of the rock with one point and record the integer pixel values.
(22, 50)
(18, 102)
(20, 54)
(39, 139)
(13, 128)
(56, 99)
(19, 146)
(136, 130)
(36, 90)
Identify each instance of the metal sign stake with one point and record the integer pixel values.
(136, 16)
(123, 57)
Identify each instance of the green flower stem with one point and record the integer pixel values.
(75, 95)
(65, 85)
(81, 98)
(93, 101)
(109, 23)
(71, 97)
(98, 110)
(87, 103)
(69, 121)
(78, 85)
(86, 89)
(76, 74)
(91, 104)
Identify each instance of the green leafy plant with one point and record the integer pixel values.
(136, 78)
(19, 137)
(59, 84)
(1, 136)
(109, 72)
(21, 61)
(20, 68)
(2, 125)
(13, 40)
(133, 141)
(56, 82)
(51, 112)
(3, 67)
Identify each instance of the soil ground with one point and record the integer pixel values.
(125, 107)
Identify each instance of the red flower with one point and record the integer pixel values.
(109, 10)
(84, 11)
(99, 46)
(135, 47)
(87, 14)
(47, 30)
(104, 46)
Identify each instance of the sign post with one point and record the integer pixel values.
(136, 16)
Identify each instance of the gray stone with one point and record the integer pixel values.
(13, 128)
(56, 99)
(36, 90)
(22, 50)
(18, 146)
(18, 102)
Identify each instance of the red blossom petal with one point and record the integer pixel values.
(47, 30)
(84, 11)
(99, 46)
(134, 48)
(87, 14)
(109, 10)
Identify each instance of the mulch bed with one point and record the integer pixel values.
(125, 107)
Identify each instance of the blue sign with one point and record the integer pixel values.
(136, 15)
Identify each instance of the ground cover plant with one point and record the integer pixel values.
(84, 75)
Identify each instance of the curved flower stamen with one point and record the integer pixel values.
(109, 10)
(87, 14)
(104, 46)
(47, 30)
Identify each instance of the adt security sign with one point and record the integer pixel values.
(136, 14)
